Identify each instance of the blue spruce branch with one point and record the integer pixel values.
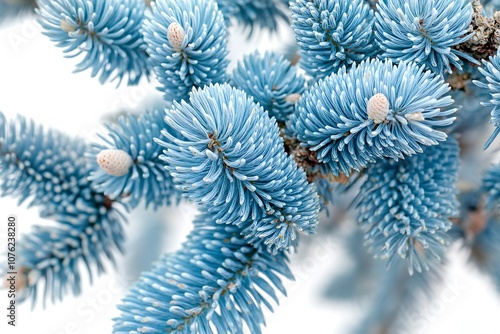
(126, 164)
(187, 45)
(50, 169)
(374, 110)
(216, 283)
(231, 160)
(332, 34)
(88, 233)
(262, 150)
(105, 34)
(425, 32)
(491, 72)
(272, 81)
(404, 207)
(39, 165)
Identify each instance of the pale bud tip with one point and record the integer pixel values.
(293, 98)
(176, 35)
(67, 27)
(378, 108)
(416, 116)
(114, 162)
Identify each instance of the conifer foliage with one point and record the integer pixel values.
(360, 120)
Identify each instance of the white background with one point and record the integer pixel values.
(37, 81)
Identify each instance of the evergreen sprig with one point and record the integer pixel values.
(404, 207)
(364, 106)
(230, 159)
(332, 34)
(491, 72)
(50, 169)
(145, 177)
(424, 32)
(216, 283)
(187, 45)
(272, 81)
(104, 33)
(375, 109)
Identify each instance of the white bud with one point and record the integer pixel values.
(416, 116)
(114, 162)
(176, 35)
(293, 98)
(378, 108)
(67, 27)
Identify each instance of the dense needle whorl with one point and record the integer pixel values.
(424, 31)
(231, 159)
(217, 280)
(404, 207)
(49, 169)
(106, 33)
(272, 81)
(333, 117)
(491, 73)
(187, 45)
(146, 178)
(332, 34)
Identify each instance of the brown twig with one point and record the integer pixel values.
(486, 38)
